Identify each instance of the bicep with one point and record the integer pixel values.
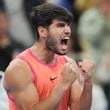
(18, 81)
(27, 97)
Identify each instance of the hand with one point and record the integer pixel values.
(87, 69)
(69, 73)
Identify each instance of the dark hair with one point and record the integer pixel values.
(43, 15)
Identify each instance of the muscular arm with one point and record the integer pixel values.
(81, 99)
(86, 97)
(19, 83)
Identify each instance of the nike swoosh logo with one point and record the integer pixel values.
(53, 78)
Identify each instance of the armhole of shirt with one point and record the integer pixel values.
(32, 70)
(30, 66)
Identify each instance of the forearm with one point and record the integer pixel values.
(53, 101)
(86, 97)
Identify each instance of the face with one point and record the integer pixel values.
(59, 33)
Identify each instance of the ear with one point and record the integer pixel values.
(42, 32)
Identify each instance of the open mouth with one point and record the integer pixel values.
(64, 42)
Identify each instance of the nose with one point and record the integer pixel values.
(67, 30)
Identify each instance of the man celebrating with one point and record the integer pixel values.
(42, 77)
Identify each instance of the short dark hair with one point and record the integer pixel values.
(43, 15)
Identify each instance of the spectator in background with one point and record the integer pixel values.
(94, 29)
(8, 46)
(19, 25)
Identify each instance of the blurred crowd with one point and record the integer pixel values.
(90, 39)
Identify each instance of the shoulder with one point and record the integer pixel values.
(17, 74)
(16, 65)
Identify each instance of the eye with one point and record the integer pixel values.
(60, 25)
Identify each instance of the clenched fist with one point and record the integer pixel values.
(87, 69)
(69, 73)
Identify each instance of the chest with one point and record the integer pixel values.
(46, 79)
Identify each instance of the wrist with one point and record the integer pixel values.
(64, 86)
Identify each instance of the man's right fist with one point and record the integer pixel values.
(68, 73)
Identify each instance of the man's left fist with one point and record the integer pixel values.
(87, 69)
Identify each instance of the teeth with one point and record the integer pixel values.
(66, 38)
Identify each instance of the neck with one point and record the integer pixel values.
(41, 52)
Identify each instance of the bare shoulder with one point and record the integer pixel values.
(17, 75)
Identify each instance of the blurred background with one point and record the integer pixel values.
(90, 39)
